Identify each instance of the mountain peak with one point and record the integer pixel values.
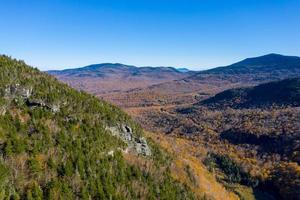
(266, 63)
(268, 59)
(272, 55)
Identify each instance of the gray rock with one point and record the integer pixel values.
(134, 143)
(13, 91)
(16, 91)
(142, 147)
(55, 108)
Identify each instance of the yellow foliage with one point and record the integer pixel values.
(187, 155)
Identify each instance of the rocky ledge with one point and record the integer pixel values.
(16, 92)
(135, 143)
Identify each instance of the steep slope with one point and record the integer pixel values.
(57, 143)
(107, 77)
(280, 93)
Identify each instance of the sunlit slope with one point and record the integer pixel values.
(58, 143)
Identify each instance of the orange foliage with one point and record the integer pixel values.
(186, 155)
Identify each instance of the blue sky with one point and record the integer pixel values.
(198, 34)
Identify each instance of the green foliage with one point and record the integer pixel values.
(234, 173)
(64, 154)
(33, 165)
(34, 192)
(4, 174)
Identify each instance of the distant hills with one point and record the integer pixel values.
(280, 93)
(127, 85)
(271, 64)
(266, 63)
(259, 69)
(110, 69)
(115, 77)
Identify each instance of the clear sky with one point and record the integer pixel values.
(198, 34)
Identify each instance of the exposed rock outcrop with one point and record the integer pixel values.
(39, 103)
(16, 92)
(135, 143)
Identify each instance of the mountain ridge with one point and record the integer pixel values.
(119, 65)
(281, 93)
(265, 63)
(111, 77)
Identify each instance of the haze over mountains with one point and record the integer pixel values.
(109, 77)
(126, 85)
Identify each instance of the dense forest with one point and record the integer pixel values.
(57, 143)
(248, 136)
(278, 93)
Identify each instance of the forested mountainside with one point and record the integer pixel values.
(278, 93)
(58, 143)
(265, 68)
(266, 63)
(247, 137)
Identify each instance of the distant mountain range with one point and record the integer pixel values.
(120, 83)
(109, 69)
(115, 77)
(270, 63)
(267, 67)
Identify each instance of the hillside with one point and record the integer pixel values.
(258, 69)
(109, 78)
(247, 137)
(250, 134)
(280, 93)
(57, 143)
(266, 63)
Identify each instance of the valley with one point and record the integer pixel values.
(239, 124)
